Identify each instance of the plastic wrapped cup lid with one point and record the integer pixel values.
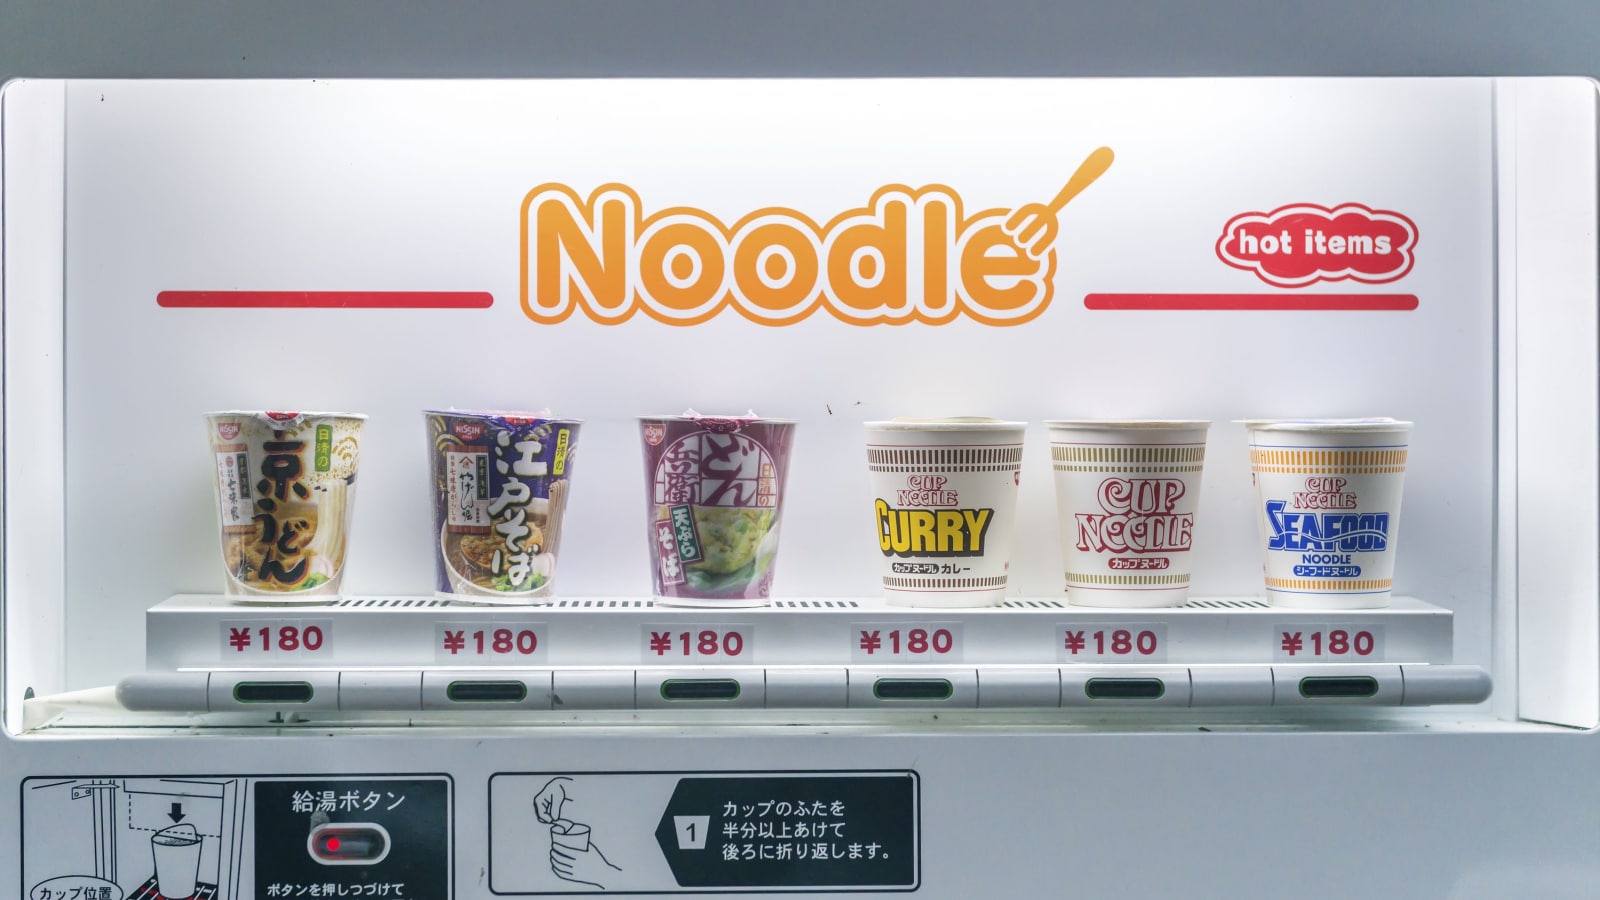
(1152, 424)
(947, 423)
(1348, 426)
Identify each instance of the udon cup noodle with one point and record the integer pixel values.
(1329, 508)
(499, 483)
(1126, 495)
(714, 489)
(945, 501)
(285, 486)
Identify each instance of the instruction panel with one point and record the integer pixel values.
(700, 832)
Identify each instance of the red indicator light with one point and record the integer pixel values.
(333, 845)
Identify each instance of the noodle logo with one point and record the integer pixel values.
(907, 255)
(228, 430)
(1296, 245)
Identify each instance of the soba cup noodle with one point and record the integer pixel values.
(945, 500)
(499, 482)
(714, 489)
(1126, 495)
(1329, 508)
(285, 486)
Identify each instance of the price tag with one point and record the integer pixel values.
(1143, 643)
(490, 643)
(921, 642)
(699, 644)
(1302, 642)
(278, 640)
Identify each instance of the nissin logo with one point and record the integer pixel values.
(907, 255)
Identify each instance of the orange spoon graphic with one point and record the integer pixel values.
(1033, 226)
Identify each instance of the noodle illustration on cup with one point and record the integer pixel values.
(499, 485)
(1328, 503)
(714, 498)
(285, 488)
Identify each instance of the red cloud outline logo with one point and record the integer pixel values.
(1304, 265)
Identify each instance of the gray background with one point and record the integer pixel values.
(187, 38)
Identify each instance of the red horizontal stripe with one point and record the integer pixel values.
(325, 299)
(1366, 302)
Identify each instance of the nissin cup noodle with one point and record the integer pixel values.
(1329, 508)
(1126, 495)
(945, 500)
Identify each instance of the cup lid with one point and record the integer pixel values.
(945, 423)
(543, 415)
(286, 415)
(1328, 425)
(749, 417)
(1128, 423)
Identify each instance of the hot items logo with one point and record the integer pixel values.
(907, 255)
(1326, 541)
(1139, 516)
(941, 532)
(1302, 243)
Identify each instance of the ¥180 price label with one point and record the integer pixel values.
(698, 644)
(1144, 643)
(278, 640)
(1324, 643)
(490, 643)
(916, 642)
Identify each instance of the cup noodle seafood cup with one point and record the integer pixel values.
(1126, 495)
(1329, 508)
(285, 488)
(499, 489)
(714, 488)
(945, 501)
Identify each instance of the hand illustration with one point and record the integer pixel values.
(547, 806)
(581, 866)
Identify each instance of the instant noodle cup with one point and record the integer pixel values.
(499, 482)
(1126, 495)
(1329, 508)
(285, 487)
(945, 501)
(714, 490)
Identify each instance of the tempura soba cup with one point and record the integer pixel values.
(499, 491)
(285, 489)
(1329, 508)
(945, 502)
(1126, 495)
(714, 488)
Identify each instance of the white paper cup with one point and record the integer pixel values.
(1329, 508)
(1126, 495)
(945, 502)
(571, 835)
(177, 859)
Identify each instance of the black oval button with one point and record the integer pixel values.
(346, 844)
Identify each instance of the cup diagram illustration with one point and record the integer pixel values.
(573, 854)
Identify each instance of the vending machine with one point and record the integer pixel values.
(468, 489)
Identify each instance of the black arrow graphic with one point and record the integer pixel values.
(177, 813)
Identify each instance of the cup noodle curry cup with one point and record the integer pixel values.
(499, 483)
(1329, 508)
(285, 487)
(1126, 495)
(945, 502)
(714, 489)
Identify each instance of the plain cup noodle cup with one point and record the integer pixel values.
(945, 502)
(499, 485)
(285, 489)
(714, 488)
(1126, 495)
(1329, 508)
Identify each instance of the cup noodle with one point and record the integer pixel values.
(1328, 505)
(285, 489)
(945, 501)
(1126, 495)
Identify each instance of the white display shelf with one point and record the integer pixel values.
(209, 632)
